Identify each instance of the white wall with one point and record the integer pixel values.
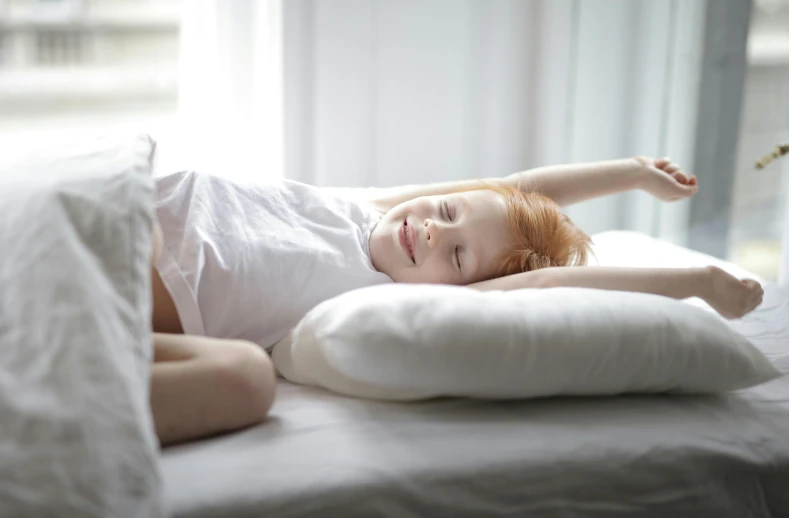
(385, 92)
(388, 92)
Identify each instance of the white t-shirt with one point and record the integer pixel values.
(249, 261)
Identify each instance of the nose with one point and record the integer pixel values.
(433, 233)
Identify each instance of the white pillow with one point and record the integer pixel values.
(76, 435)
(408, 342)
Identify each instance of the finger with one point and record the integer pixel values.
(752, 285)
(685, 190)
(757, 301)
(660, 163)
(680, 177)
(692, 180)
(671, 167)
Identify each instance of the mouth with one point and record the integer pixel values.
(406, 235)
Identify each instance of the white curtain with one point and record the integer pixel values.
(230, 88)
(392, 92)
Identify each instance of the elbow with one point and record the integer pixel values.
(249, 377)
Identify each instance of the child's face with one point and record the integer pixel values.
(448, 239)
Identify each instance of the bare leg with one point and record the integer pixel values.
(203, 386)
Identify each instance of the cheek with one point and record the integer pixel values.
(434, 272)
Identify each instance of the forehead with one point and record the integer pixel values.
(487, 230)
(484, 202)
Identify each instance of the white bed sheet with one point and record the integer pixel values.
(326, 455)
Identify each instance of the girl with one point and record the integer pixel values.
(236, 266)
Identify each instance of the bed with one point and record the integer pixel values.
(634, 456)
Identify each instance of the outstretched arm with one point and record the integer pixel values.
(389, 197)
(569, 183)
(573, 183)
(729, 296)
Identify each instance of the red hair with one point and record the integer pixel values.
(543, 235)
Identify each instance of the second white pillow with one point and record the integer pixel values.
(407, 342)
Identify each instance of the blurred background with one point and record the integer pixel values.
(385, 92)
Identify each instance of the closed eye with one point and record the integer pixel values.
(446, 211)
(457, 257)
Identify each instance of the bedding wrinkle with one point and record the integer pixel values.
(249, 260)
(76, 434)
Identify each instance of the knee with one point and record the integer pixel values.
(249, 372)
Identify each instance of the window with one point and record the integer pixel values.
(86, 65)
(759, 201)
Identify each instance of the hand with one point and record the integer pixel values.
(729, 296)
(665, 180)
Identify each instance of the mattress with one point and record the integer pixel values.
(632, 456)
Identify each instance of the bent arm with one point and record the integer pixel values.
(677, 283)
(389, 197)
(572, 183)
(565, 184)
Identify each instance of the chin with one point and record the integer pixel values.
(397, 277)
(405, 278)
